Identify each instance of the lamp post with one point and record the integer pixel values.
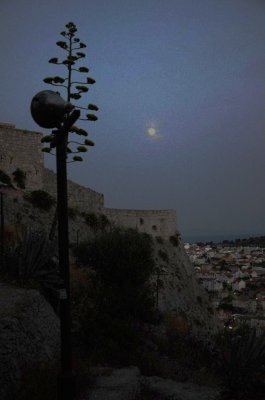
(49, 110)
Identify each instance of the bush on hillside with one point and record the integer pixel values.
(5, 178)
(96, 221)
(121, 296)
(175, 239)
(40, 199)
(20, 178)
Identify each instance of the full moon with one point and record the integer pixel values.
(151, 131)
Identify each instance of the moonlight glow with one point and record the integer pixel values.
(152, 132)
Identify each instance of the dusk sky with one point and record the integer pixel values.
(181, 89)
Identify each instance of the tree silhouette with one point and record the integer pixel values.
(74, 88)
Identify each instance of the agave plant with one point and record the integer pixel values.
(75, 83)
(31, 260)
(242, 362)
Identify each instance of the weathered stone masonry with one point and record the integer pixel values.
(154, 222)
(22, 149)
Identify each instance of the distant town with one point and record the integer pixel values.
(233, 273)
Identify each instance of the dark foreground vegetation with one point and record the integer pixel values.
(116, 323)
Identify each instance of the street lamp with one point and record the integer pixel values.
(50, 110)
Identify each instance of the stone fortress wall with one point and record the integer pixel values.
(85, 199)
(22, 149)
(154, 222)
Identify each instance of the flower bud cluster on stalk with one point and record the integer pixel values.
(74, 88)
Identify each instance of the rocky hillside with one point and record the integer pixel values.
(180, 292)
(177, 290)
(29, 336)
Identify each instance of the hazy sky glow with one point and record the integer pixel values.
(190, 73)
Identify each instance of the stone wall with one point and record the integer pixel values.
(21, 149)
(80, 197)
(153, 222)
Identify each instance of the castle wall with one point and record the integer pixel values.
(21, 149)
(154, 222)
(85, 199)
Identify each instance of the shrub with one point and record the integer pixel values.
(104, 222)
(121, 295)
(163, 255)
(123, 262)
(179, 341)
(72, 212)
(174, 239)
(91, 220)
(20, 178)
(96, 222)
(5, 178)
(159, 239)
(40, 199)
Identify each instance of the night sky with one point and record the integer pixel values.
(180, 87)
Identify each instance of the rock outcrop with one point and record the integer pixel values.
(165, 389)
(180, 293)
(128, 384)
(116, 384)
(29, 335)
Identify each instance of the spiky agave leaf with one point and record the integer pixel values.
(31, 256)
(243, 360)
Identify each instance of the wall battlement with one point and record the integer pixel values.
(22, 149)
